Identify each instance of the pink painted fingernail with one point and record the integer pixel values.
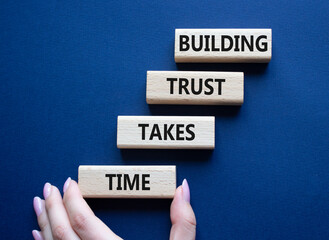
(186, 191)
(46, 190)
(66, 184)
(37, 205)
(37, 235)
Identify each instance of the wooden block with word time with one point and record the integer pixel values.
(198, 88)
(223, 45)
(166, 132)
(127, 181)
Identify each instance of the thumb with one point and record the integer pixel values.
(182, 215)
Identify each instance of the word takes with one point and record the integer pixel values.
(127, 181)
(124, 180)
(165, 132)
(200, 88)
(223, 45)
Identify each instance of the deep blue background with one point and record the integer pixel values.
(69, 68)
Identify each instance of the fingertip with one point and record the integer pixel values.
(38, 205)
(186, 191)
(73, 182)
(71, 185)
(183, 192)
(37, 235)
(72, 191)
(47, 190)
(54, 196)
(66, 184)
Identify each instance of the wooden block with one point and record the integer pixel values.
(166, 132)
(198, 88)
(127, 181)
(223, 45)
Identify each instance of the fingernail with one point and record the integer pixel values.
(37, 204)
(37, 235)
(66, 184)
(186, 191)
(46, 190)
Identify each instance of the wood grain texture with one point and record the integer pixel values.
(186, 132)
(160, 181)
(208, 45)
(201, 88)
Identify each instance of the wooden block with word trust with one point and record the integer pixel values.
(127, 181)
(166, 132)
(198, 88)
(223, 45)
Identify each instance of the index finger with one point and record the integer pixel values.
(83, 220)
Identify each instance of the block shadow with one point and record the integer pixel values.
(164, 156)
(194, 110)
(247, 68)
(126, 205)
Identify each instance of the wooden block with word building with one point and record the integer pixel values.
(166, 132)
(197, 88)
(223, 45)
(127, 181)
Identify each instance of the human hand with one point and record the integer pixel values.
(70, 217)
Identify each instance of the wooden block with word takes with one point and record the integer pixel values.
(223, 45)
(166, 132)
(197, 88)
(127, 181)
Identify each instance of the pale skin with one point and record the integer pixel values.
(70, 218)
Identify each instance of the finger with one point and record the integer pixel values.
(182, 215)
(59, 221)
(43, 221)
(82, 218)
(37, 235)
